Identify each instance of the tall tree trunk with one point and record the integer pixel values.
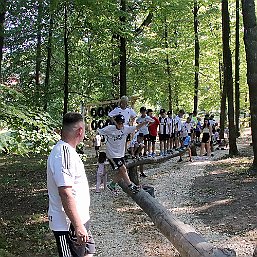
(168, 70)
(237, 70)
(197, 54)
(39, 37)
(66, 56)
(223, 97)
(2, 18)
(48, 62)
(228, 79)
(115, 64)
(123, 54)
(250, 36)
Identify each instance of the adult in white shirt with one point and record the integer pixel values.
(68, 192)
(127, 112)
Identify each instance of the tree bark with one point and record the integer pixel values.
(228, 79)
(123, 54)
(223, 97)
(66, 56)
(250, 40)
(184, 237)
(39, 39)
(168, 69)
(48, 62)
(197, 55)
(237, 71)
(2, 19)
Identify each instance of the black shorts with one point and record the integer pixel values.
(163, 137)
(152, 138)
(97, 148)
(197, 133)
(172, 135)
(146, 137)
(206, 138)
(116, 162)
(67, 243)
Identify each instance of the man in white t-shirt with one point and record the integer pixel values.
(115, 150)
(68, 192)
(128, 113)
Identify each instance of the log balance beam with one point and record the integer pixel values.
(185, 239)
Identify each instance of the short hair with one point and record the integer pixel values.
(142, 109)
(149, 110)
(124, 98)
(71, 118)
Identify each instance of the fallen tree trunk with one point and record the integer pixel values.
(132, 165)
(184, 237)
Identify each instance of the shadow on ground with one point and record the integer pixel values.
(226, 197)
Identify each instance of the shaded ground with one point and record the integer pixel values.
(224, 199)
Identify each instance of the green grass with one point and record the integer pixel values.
(23, 223)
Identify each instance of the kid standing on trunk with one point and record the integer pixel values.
(115, 150)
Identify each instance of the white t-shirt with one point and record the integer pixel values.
(171, 125)
(98, 140)
(178, 122)
(187, 126)
(65, 168)
(116, 139)
(144, 129)
(128, 113)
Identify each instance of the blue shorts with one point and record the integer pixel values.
(67, 243)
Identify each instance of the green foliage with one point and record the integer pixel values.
(93, 27)
(23, 130)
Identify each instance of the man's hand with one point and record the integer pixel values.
(82, 235)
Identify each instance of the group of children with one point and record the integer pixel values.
(172, 132)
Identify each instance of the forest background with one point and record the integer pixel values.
(58, 56)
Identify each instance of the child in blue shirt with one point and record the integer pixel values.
(187, 145)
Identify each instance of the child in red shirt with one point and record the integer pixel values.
(152, 133)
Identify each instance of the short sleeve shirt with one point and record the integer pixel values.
(65, 168)
(144, 129)
(116, 139)
(128, 113)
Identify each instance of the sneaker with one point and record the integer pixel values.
(149, 155)
(112, 188)
(153, 154)
(165, 154)
(161, 154)
(180, 160)
(134, 188)
(143, 175)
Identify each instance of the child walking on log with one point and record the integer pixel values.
(115, 151)
(187, 145)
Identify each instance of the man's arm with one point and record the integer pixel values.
(70, 209)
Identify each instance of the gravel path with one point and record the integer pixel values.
(121, 228)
